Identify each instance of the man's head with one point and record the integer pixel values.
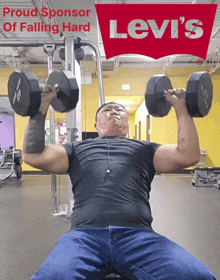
(112, 120)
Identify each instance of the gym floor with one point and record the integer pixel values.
(190, 216)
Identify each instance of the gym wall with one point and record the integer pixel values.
(90, 104)
(163, 130)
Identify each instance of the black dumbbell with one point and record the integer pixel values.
(24, 92)
(199, 95)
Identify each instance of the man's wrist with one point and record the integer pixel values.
(181, 110)
(44, 108)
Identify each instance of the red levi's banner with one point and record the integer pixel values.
(156, 30)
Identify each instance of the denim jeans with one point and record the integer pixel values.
(137, 253)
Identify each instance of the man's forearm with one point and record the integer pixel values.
(188, 141)
(34, 138)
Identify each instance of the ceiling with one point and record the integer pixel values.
(26, 57)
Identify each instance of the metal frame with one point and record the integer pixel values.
(29, 42)
(49, 47)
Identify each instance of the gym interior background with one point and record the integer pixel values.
(190, 216)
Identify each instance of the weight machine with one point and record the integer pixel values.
(74, 131)
(10, 164)
(206, 177)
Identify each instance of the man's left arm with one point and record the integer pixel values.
(187, 151)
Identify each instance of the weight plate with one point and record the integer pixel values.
(68, 93)
(155, 98)
(199, 94)
(79, 54)
(62, 53)
(24, 93)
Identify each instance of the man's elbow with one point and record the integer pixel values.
(31, 159)
(195, 158)
(191, 161)
(25, 158)
(195, 161)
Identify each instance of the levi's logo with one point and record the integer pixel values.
(156, 30)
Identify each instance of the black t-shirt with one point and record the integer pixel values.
(111, 178)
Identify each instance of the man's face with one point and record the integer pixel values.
(112, 120)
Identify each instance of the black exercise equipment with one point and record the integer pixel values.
(199, 95)
(155, 97)
(10, 163)
(78, 52)
(24, 92)
(68, 90)
(206, 177)
(62, 53)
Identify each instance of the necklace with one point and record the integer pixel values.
(106, 140)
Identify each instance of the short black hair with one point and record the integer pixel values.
(105, 104)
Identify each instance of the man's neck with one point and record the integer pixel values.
(112, 136)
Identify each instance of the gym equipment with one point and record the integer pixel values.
(24, 92)
(155, 97)
(68, 90)
(19, 42)
(10, 163)
(70, 43)
(79, 54)
(206, 177)
(62, 53)
(199, 95)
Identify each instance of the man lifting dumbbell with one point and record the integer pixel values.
(198, 95)
(25, 92)
(111, 177)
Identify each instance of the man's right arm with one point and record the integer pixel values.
(51, 158)
(187, 151)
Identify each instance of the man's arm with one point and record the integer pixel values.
(187, 151)
(52, 158)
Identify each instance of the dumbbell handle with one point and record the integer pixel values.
(43, 88)
(182, 95)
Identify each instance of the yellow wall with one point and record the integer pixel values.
(163, 130)
(90, 104)
(140, 116)
(131, 125)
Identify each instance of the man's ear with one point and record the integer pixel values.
(95, 126)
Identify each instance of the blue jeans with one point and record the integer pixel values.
(137, 253)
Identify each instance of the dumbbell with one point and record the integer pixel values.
(24, 92)
(199, 95)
